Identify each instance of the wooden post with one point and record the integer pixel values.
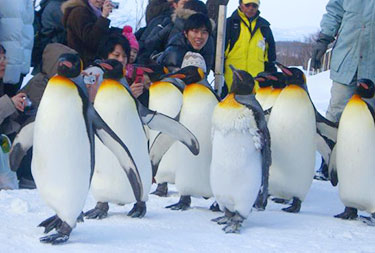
(220, 47)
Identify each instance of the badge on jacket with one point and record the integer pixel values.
(262, 44)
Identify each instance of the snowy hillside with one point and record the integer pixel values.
(162, 230)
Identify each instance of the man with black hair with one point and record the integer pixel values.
(161, 35)
(196, 37)
(249, 42)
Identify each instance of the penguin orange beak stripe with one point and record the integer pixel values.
(271, 77)
(260, 79)
(365, 86)
(106, 66)
(284, 69)
(234, 70)
(66, 63)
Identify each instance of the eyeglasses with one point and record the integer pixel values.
(252, 5)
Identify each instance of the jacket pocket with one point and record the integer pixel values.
(338, 59)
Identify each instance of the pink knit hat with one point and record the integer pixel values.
(127, 31)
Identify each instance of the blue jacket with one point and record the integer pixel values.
(353, 25)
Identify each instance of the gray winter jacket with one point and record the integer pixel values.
(353, 25)
(17, 36)
(52, 25)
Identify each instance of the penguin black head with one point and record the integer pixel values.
(293, 75)
(189, 74)
(69, 65)
(278, 80)
(365, 88)
(243, 82)
(262, 79)
(113, 69)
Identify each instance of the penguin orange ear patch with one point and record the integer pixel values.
(106, 66)
(180, 76)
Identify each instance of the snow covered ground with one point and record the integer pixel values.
(162, 230)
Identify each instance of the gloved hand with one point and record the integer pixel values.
(319, 49)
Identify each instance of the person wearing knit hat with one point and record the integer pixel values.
(127, 31)
(194, 59)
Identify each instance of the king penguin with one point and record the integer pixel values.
(277, 81)
(241, 153)
(292, 127)
(355, 149)
(166, 98)
(192, 176)
(265, 88)
(63, 155)
(126, 115)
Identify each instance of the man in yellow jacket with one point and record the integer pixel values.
(249, 42)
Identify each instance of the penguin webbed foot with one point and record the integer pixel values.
(295, 207)
(183, 204)
(53, 222)
(348, 214)
(215, 207)
(370, 221)
(138, 210)
(61, 236)
(221, 220)
(281, 201)
(161, 190)
(54, 238)
(234, 225)
(99, 212)
(224, 219)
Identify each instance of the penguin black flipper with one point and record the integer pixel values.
(251, 102)
(167, 125)
(109, 138)
(323, 147)
(326, 128)
(332, 168)
(159, 147)
(21, 144)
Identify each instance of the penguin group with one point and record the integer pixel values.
(238, 149)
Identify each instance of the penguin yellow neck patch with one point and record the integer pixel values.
(110, 84)
(356, 99)
(193, 89)
(160, 87)
(230, 102)
(63, 81)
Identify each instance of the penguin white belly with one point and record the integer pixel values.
(235, 171)
(355, 157)
(271, 99)
(292, 128)
(193, 172)
(167, 99)
(61, 152)
(110, 183)
(262, 96)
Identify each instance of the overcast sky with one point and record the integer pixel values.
(287, 14)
